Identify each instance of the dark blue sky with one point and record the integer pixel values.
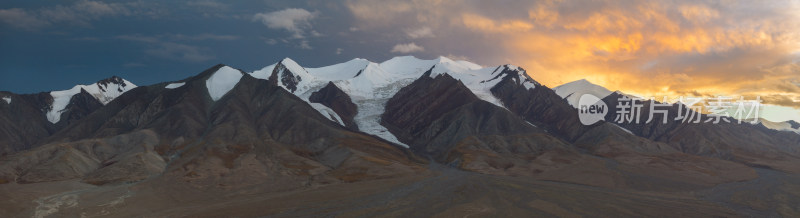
(54, 45)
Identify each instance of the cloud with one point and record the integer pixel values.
(176, 37)
(339, 51)
(458, 57)
(407, 48)
(80, 13)
(181, 52)
(95, 8)
(171, 46)
(21, 19)
(481, 23)
(203, 37)
(423, 32)
(209, 4)
(304, 45)
(133, 65)
(294, 20)
(212, 9)
(140, 38)
(87, 39)
(648, 48)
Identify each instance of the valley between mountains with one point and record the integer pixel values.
(404, 137)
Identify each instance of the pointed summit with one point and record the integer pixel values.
(222, 81)
(289, 75)
(573, 91)
(105, 91)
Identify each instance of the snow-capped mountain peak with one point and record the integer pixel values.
(105, 91)
(370, 85)
(222, 81)
(405, 65)
(341, 71)
(108, 89)
(573, 91)
(780, 126)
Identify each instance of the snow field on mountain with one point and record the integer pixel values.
(222, 82)
(370, 85)
(104, 93)
(174, 85)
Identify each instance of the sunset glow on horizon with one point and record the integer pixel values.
(646, 48)
(683, 48)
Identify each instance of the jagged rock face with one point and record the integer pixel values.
(794, 124)
(654, 130)
(285, 77)
(172, 113)
(103, 84)
(256, 132)
(744, 143)
(436, 115)
(80, 106)
(22, 123)
(738, 142)
(41, 101)
(28, 124)
(336, 99)
(540, 106)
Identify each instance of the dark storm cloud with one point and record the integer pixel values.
(80, 13)
(643, 47)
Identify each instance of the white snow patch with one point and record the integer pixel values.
(175, 85)
(407, 65)
(479, 81)
(370, 85)
(264, 73)
(327, 112)
(470, 65)
(573, 91)
(780, 126)
(620, 127)
(7, 99)
(104, 93)
(222, 82)
(340, 71)
(305, 87)
(60, 101)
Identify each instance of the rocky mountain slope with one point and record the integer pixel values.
(27, 118)
(286, 128)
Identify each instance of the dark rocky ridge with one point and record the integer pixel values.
(540, 106)
(794, 124)
(257, 132)
(80, 106)
(26, 122)
(261, 138)
(280, 74)
(22, 124)
(103, 84)
(744, 143)
(432, 115)
(338, 101)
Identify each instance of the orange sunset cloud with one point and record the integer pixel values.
(646, 48)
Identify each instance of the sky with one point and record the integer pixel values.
(648, 48)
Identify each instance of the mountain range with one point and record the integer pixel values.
(406, 132)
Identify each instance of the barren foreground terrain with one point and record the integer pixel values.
(444, 192)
